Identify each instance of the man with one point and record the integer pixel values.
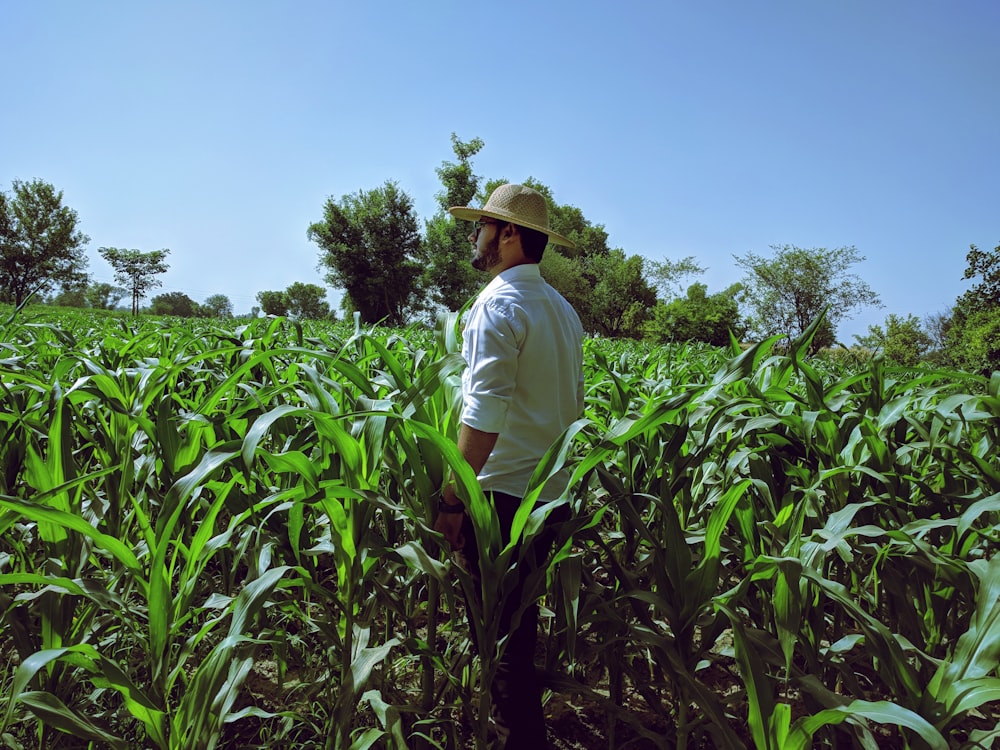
(522, 388)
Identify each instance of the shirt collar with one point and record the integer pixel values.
(525, 271)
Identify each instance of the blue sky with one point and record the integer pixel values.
(710, 129)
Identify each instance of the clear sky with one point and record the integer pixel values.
(710, 129)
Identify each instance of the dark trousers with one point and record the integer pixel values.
(516, 691)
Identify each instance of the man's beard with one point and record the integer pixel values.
(490, 258)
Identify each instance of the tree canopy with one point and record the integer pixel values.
(41, 245)
(370, 247)
(984, 266)
(665, 275)
(273, 302)
(217, 306)
(448, 276)
(307, 301)
(369, 244)
(174, 303)
(104, 296)
(135, 270)
(619, 297)
(902, 341)
(698, 316)
(787, 291)
(299, 300)
(974, 332)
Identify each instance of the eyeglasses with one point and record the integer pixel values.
(477, 226)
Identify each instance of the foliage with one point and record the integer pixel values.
(273, 302)
(103, 296)
(902, 342)
(591, 239)
(937, 325)
(447, 275)
(790, 289)
(220, 537)
(974, 340)
(135, 270)
(41, 245)
(665, 275)
(73, 296)
(973, 336)
(217, 306)
(299, 300)
(984, 296)
(174, 303)
(96, 295)
(369, 244)
(307, 301)
(566, 276)
(698, 316)
(620, 297)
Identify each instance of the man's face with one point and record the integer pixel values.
(485, 238)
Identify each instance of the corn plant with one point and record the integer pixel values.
(220, 536)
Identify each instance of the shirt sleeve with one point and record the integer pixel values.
(493, 340)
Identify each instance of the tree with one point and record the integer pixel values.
(217, 306)
(591, 239)
(937, 326)
(620, 298)
(273, 303)
(307, 301)
(70, 296)
(369, 244)
(135, 270)
(566, 276)
(175, 303)
(984, 296)
(666, 275)
(903, 341)
(974, 341)
(698, 316)
(787, 292)
(104, 296)
(974, 334)
(40, 244)
(448, 276)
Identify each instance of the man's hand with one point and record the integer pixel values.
(475, 446)
(450, 524)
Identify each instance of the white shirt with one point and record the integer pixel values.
(524, 346)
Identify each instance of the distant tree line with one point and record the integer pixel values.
(299, 300)
(394, 271)
(966, 336)
(371, 247)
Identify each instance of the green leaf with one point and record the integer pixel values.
(978, 651)
(42, 513)
(416, 557)
(52, 711)
(881, 712)
(367, 738)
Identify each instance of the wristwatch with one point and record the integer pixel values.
(444, 507)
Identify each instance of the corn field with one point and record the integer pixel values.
(220, 537)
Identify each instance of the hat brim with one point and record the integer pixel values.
(474, 214)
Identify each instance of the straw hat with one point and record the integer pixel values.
(517, 204)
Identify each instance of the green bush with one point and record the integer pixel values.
(975, 341)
